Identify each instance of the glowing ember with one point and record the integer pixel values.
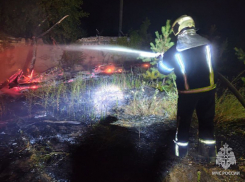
(34, 87)
(18, 89)
(71, 80)
(31, 75)
(109, 70)
(146, 65)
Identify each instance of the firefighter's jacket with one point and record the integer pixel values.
(194, 68)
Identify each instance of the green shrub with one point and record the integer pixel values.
(162, 44)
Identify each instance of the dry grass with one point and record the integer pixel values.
(228, 108)
(51, 95)
(170, 105)
(144, 106)
(156, 105)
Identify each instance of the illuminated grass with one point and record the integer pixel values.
(170, 105)
(53, 96)
(156, 105)
(228, 108)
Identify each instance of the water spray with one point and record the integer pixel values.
(111, 48)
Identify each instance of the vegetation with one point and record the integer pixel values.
(162, 44)
(136, 39)
(241, 56)
(139, 39)
(68, 99)
(35, 17)
(144, 105)
(228, 108)
(64, 99)
(76, 100)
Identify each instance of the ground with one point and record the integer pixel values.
(115, 148)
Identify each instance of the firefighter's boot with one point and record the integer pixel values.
(181, 149)
(207, 150)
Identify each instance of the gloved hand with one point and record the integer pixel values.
(160, 56)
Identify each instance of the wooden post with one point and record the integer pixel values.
(120, 18)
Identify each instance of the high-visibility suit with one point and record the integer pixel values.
(192, 61)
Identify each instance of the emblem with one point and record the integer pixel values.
(225, 157)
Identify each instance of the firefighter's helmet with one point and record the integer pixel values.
(183, 23)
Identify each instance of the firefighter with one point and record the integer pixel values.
(192, 61)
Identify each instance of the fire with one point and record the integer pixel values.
(110, 69)
(146, 65)
(34, 87)
(31, 75)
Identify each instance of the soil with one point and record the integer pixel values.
(39, 147)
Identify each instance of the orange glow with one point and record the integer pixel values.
(109, 70)
(146, 65)
(18, 89)
(34, 87)
(30, 76)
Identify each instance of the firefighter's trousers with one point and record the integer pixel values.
(204, 104)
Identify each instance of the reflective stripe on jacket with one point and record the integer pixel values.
(194, 68)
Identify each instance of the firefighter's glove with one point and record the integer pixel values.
(159, 56)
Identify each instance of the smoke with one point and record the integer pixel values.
(11, 60)
(14, 58)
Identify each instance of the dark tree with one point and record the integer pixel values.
(28, 18)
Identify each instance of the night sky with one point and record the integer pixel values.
(227, 15)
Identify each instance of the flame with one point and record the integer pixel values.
(34, 87)
(31, 75)
(109, 70)
(146, 65)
